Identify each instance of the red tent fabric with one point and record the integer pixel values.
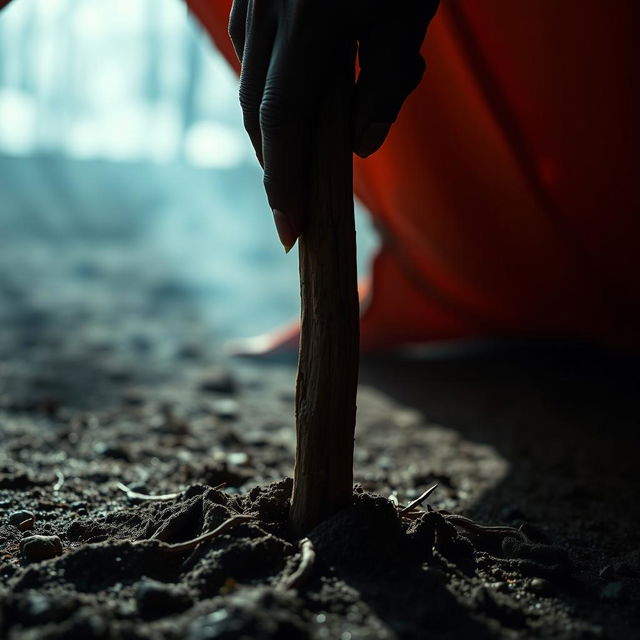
(507, 194)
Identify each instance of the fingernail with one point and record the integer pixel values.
(372, 138)
(285, 230)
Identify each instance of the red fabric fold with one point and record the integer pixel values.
(507, 193)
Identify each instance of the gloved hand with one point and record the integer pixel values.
(287, 49)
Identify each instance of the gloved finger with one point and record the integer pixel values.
(391, 67)
(237, 25)
(260, 32)
(294, 82)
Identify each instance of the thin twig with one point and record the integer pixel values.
(162, 496)
(59, 482)
(302, 574)
(143, 496)
(483, 530)
(413, 515)
(418, 501)
(26, 524)
(189, 545)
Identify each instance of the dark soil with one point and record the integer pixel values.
(96, 398)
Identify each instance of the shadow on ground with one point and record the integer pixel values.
(565, 420)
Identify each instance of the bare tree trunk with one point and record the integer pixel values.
(329, 341)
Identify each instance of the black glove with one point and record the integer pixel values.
(287, 50)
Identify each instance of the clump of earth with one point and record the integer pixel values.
(103, 500)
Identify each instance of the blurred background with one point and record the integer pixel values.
(128, 188)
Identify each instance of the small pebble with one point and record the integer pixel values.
(22, 519)
(36, 548)
(541, 586)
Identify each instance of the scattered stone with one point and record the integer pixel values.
(22, 519)
(541, 586)
(36, 548)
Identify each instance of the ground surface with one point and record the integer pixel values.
(109, 377)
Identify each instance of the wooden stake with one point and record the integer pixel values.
(329, 341)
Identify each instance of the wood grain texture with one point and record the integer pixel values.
(329, 341)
